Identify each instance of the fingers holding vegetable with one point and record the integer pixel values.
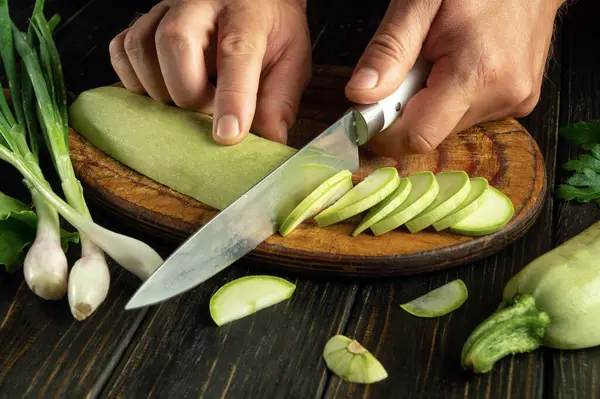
(259, 53)
(280, 92)
(122, 66)
(242, 44)
(182, 38)
(392, 51)
(140, 48)
(479, 72)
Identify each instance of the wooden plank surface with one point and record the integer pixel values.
(275, 353)
(576, 374)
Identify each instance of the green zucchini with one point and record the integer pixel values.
(173, 146)
(490, 217)
(382, 209)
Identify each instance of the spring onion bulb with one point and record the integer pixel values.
(88, 280)
(45, 266)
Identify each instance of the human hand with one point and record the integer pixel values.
(259, 50)
(488, 61)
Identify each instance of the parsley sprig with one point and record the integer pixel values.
(583, 184)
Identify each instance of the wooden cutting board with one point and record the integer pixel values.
(502, 151)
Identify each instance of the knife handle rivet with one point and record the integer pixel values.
(398, 107)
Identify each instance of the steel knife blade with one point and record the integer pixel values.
(256, 215)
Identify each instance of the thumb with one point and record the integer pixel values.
(392, 51)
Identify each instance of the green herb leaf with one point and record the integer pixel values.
(584, 162)
(582, 194)
(596, 151)
(586, 179)
(15, 237)
(583, 134)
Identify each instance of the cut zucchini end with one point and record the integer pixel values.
(247, 295)
(440, 301)
(490, 217)
(351, 362)
(477, 196)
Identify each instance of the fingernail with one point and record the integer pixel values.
(228, 127)
(363, 79)
(282, 132)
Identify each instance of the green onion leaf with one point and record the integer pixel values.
(52, 125)
(55, 79)
(7, 52)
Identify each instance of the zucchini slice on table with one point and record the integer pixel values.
(350, 361)
(439, 301)
(247, 295)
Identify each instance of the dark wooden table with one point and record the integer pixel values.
(175, 351)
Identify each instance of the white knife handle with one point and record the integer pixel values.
(373, 118)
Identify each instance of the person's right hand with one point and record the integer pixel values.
(259, 51)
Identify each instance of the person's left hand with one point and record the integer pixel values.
(258, 50)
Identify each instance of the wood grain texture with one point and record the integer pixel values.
(576, 374)
(274, 353)
(45, 352)
(502, 151)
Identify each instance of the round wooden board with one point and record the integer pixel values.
(502, 151)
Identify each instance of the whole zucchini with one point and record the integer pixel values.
(554, 302)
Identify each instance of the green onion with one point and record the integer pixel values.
(40, 106)
(85, 293)
(45, 267)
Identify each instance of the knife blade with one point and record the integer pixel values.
(256, 215)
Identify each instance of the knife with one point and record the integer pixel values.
(257, 214)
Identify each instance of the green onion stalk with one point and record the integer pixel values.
(39, 102)
(45, 267)
(89, 278)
